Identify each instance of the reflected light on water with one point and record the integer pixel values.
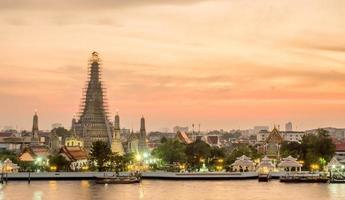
(37, 195)
(52, 185)
(141, 191)
(85, 184)
(171, 190)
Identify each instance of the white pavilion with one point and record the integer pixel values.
(243, 163)
(265, 166)
(290, 163)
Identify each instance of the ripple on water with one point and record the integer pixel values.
(171, 190)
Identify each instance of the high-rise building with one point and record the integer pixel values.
(35, 136)
(93, 124)
(142, 146)
(288, 126)
(116, 145)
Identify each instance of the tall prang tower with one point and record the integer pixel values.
(93, 124)
(35, 128)
(142, 146)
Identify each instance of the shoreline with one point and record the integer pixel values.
(26, 176)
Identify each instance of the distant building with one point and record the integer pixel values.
(262, 136)
(257, 129)
(180, 128)
(290, 136)
(288, 127)
(12, 143)
(7, 128)
(293, 136)
(335, 133)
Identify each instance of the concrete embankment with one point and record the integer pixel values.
(145, 175)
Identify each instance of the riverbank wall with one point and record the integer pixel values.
(145, 175)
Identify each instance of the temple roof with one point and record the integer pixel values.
(275, 136)
(30, 153)
(289, 162)
(74, 153)
(183, 137)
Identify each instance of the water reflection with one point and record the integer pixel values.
(141, 191)
(52, 185)
(37, 195)
(171, 190)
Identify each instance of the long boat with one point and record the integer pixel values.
(117, 180)
(303, 179)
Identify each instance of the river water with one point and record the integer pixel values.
(171, 190)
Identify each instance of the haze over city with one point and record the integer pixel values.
(223, 64)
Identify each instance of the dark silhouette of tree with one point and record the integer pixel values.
(171, 151)
(61, 163)
(198, 153)
(100, 154)
(313, 149)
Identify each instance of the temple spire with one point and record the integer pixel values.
(142, 147)
(35, 127)
(93, 123)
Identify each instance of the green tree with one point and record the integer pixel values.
(293, 149)
(197, 153)
(317, 148)
(313, 149)
(100, 154)
(217, 156)
(61, 132)
(61, 163)
(170, 151)
(217, 153)
(4, 154)
(237, 152)
(242, 150)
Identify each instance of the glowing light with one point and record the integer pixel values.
(146, 155)
(138, 157)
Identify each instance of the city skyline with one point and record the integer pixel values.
(236, 65)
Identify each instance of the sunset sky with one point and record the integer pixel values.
(221, 63)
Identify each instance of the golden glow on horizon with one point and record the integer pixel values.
(224, 64)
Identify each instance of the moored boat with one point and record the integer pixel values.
(303, 179)
(118, 180)
(264, 177)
